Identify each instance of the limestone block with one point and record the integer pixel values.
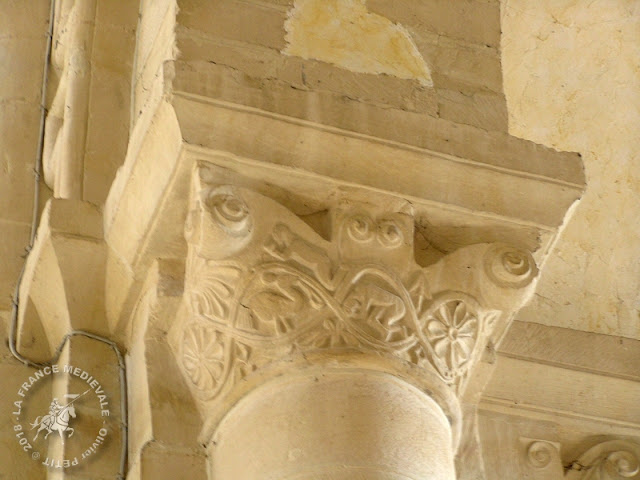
(17, 160)
(25, 54)
(471, 21)
(154, 15)
(518, 381)
(343, 155)
(57, 291)
(159, 462)
(154, 46)
(108, 132)
(260, 64)
(391, 124)
(252, 22)
(111, 41)
(98, 360)
(617, 356)
(121, 13)
(161, 147)
(485, 110)
(12, 248)
(579, 384)
(159, 387)
(24, 19)
(457, 64)
(368, 52)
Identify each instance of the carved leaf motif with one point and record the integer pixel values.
(241, 359)
(278, 302)
(297, 300)
(332, 333)
(286, 246)
(211, 287)
(203, 355)
(376, 310)
(418, 288)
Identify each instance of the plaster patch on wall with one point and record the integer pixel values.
(345, 34)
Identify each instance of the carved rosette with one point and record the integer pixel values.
(451, 328)
(261, 285)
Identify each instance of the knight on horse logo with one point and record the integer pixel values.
(62, 412)
(58, 417)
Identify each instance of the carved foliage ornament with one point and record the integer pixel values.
(288, 292)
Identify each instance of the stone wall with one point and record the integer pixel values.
(258, 199)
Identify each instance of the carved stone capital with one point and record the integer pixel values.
(263, 286)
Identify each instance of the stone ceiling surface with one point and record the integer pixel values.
(572, 80)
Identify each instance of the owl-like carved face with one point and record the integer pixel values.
(218, 221)
(365, 236)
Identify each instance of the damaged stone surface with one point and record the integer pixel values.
(594, 277)
(344, 33)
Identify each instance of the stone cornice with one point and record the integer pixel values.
(550, 373)
(514, 197)
(491, 186)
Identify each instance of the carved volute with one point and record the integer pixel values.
(264, 289)
(612, 460)
(261, 284)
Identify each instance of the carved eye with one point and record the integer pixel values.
(360, 228)
(389, 234)
(229, 211)
(228, 207)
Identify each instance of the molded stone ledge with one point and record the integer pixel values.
(504, 185)
(580, 389)
(550, 387)
(158, 384)
(63, 285)
(220, 84)
(520, 196)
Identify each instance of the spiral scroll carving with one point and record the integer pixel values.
(623, 463)
(612, 460)
(228, 210)
(510, 267)
(360, 228)
(540, 454)
(389, 235)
